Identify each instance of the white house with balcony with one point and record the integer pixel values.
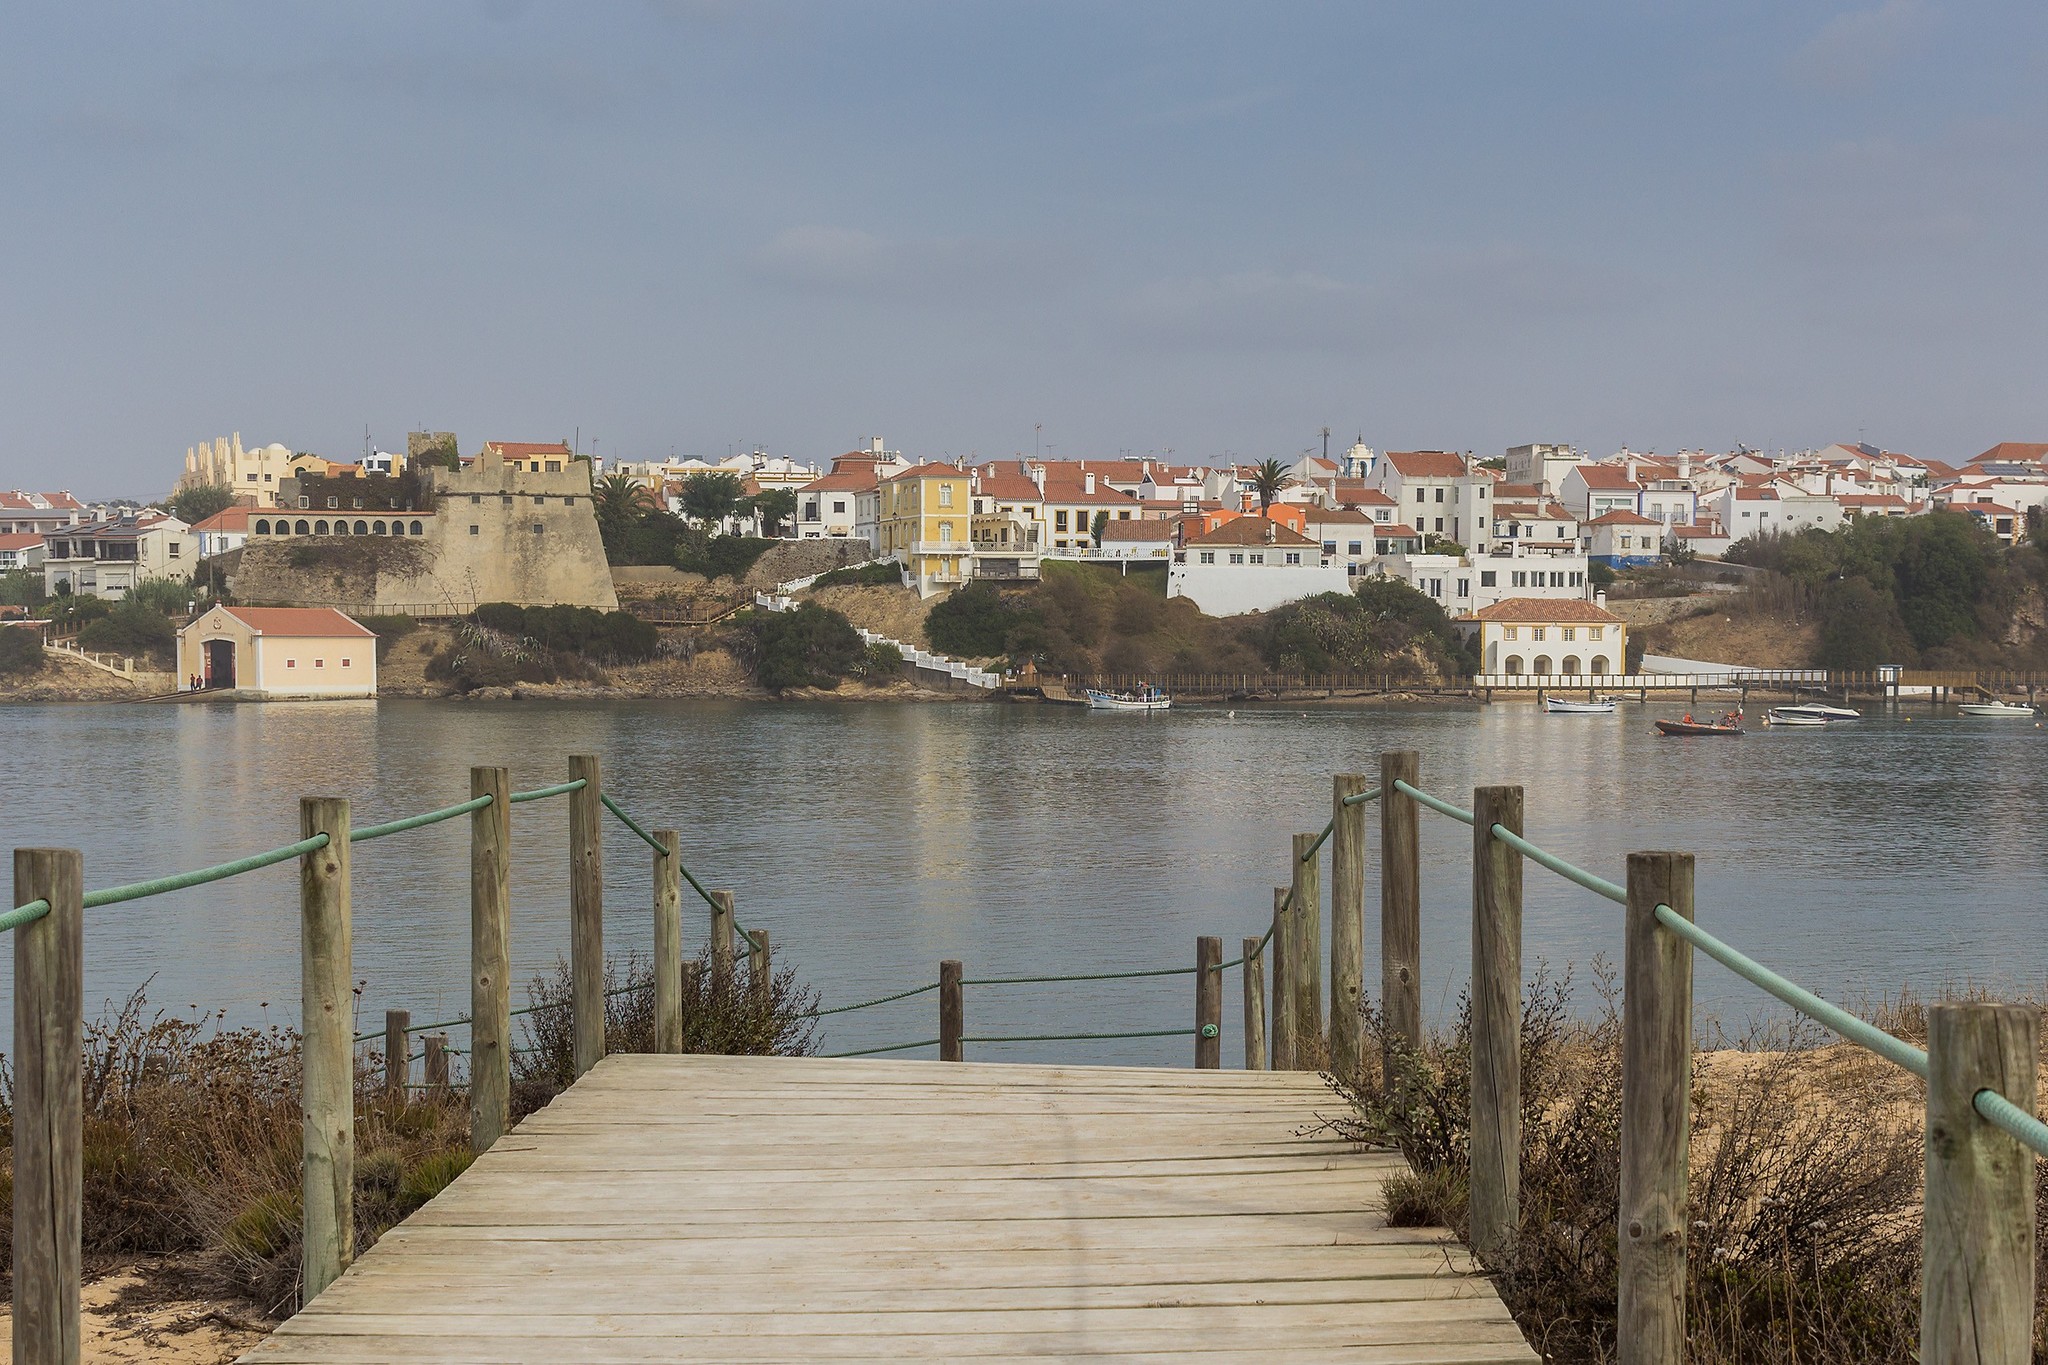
(1463, 583)
(1554, 637)
(1251, 564)
(109, 558)
(1439, 494)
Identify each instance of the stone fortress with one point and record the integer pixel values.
(515, 524)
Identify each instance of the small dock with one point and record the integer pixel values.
(757, 1209)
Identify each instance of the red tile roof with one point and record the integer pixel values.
(1343, 516)
(1148, 529)
(14, 500)
(234, 518)
(529, 450)
(2013, 452)
(1249, 530)
(1619, 518)
(317, 622)
(846, 481)
(1365, 497)
(1603, 476)
(1427, 464)
(1546, 611)
(1521, 492)
(26, 540)
(932, 470)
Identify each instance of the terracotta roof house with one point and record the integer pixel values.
(277, 653)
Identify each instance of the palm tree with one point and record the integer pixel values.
(1268, 478)
(620, 503)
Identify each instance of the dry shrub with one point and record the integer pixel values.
(721, 1017)
(1804, 1240)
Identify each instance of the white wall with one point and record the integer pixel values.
(1232, 589)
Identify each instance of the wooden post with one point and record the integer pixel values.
(327, 1069)
(1656, 1119)
(1977, 1238)
(1496, 1188)
(1254, 1006)
(1208, 1003)
(760, 969)
(49, 1106)
(397, 1053)
(721, 939)
(1305, 955)
(586, 911)
(668, 942)
(952, 1012)
(1400, 906)
(1283, 983)
(436, 1070)
(1347, 925)
(490, 959)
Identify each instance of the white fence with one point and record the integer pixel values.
(923, 658)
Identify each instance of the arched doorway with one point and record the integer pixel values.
(1571, 665)
(1542, 665)
(1514, 665)
(220, 663)
(1599, 664)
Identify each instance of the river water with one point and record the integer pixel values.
(873, 840)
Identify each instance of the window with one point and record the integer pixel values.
(1510, 632)
(1258, 557)
(1357, 547)
(252, 478)
(554, 466)
(319, 528)
(1482, 493)
(1464, 587)
(1596, 632)
(1439, 525)
(1422, 495)
(1624, 542)
(539, 499)
(838, 508)
(1536, 632)
(568, 500)
(945, 531)
(505, 499)
(539, 529)
(176, 548)
(1439, 495)
(291, 663)
(1208, 557)
(262, 528)
(475, 499)
(472, 529)
(319, 663)
(1329, 547)
(418, 530)
(345, 663)
(1123, 514)
(945, 495)
(378, 528)
(359, 507)
(300, 527)
(1577, 578)
(334, 502)
(1294, 556)
(305, 501)
(362, 529)
(1487, 577)
(1059, 521)
(1237, 556)
(1571, 633)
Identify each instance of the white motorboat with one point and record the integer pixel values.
(2000, 710)
(1818, 710)
(1792, 716)
(1142, 699)
(1558, 706)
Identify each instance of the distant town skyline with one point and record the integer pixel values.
(1194, 227)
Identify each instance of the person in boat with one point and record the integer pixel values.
(1688, 718)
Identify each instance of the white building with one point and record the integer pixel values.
(1149, 539)
(1543, 467)
(1593, 490)
(1624, 540)
(108, 558)
(227, 529)
(1438, 493)
(35, 513)
(1348, 534)
(1547, 637)
(1251, 564)
(1462, 583)
(22, 551)
(828, 508)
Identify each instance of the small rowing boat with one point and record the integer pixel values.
(1143, 699)
(1996, 710)
(1558, 706)
(1729, 724)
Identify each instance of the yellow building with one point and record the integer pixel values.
(272, 653)
(926, 522)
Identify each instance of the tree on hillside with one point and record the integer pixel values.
(776, 507)
(196, 502)
(709, 499)
(620, 504)
(1268, 479)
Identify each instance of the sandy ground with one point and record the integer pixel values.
(68, 680)
(895, 612)
(1754, 641)
(125, 1321)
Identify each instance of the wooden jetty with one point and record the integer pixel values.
(753, 1209)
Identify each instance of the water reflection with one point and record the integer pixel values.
(874, 840)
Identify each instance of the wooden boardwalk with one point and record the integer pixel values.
(756, 1209)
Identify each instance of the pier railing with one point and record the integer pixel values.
(1978, 1220)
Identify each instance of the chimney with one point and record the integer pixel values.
(1038, 478)
(1272, 533)
(1088, 484)
(1599, 597)
(1684, 464)
(875, 447)
(1631, 467)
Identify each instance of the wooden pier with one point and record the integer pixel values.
(755, 1209)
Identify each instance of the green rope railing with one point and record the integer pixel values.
(869, 1004)
(876, 1051)
(543, 793)
(432, 817)
(630, 823)
(1077, 1037)
(1077, 976)
(1995, 1108)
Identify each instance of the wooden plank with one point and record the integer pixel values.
(490, 958)
(1656, 1117)
(739, 1209)
(327, 1071)
(49, 1111)
(586, 911)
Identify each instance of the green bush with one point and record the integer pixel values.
(387, 629)
(1601, 574)
(881, 662)
(812, 646)
(886, 573)
(615, 637)
(21, 650)
(974, 622)
(131, 629)
(721, 556)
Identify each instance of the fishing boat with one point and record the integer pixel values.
(1558, 706)
(1729, 724)
(1792, 715)
(1818, 710)
(2001, 710)
(1140, 699)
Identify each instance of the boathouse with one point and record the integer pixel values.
(277, 654)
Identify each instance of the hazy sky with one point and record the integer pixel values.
(1204, 228)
